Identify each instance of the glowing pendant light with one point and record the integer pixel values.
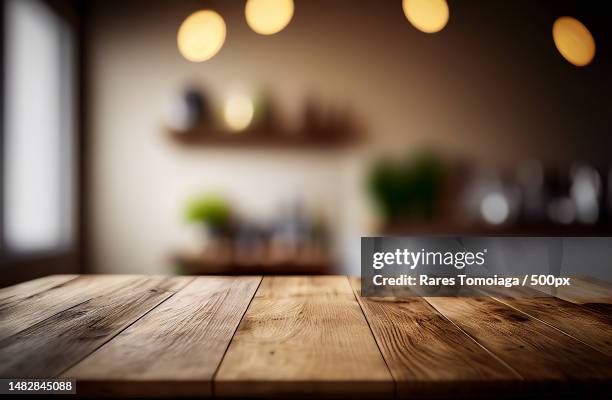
(574, 41)
(201, 35)
(428, 16)
(268, 17)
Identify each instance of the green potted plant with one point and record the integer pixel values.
(407, 189)
(213, 212)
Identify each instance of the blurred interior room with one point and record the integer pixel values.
(268, 136)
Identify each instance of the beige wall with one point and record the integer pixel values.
(472, 90)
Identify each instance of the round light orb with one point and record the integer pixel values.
(201, 35)
(495, 208)
(428, 16)
(268, 17)
(574, 41)
(585, 192)
(562, 211)
(238, 113)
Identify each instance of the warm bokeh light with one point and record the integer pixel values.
(426, 15)
(574, 41)
(238, 112)
(268, 17)
(201, 35)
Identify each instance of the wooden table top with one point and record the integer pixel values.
(287, 336)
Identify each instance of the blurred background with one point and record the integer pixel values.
(268, 136)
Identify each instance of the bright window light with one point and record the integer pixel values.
(38, 127)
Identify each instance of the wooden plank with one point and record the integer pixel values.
(590, 323)
(30, 288)
(584, 291)
(182, 342)
(535, 350)
(303, 336)
(427, 354)
(18, 314)
(51, 346)
(598, 282)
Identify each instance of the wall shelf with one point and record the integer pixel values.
(193, 264)
(481, 229)
(264, 138)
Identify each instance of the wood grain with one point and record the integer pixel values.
(20, 311)
(427, 354)
(535, 350)
(584, 291)
(590, 323)
(51, 346)
(599, 282)
(24, 290)
(303, 336)
(176, 348)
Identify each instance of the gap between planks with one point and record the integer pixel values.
(357, 299)
(535, 349)
(304, 336)
(58, 341)
(214, 376)
(182, 341)
(357, 295)
(111, 337)
(20, 311)
(31, 288)
(426, 353)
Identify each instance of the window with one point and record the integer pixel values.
(38, 127)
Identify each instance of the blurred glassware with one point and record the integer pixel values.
(532, 200)
(530, 178)
(609, 193)
(288, 232)
(585, 193)
(561, 210)
(502, 205)
(312, 119)
(494, 208)
(250, 244)
(294, 241)
(489, 198)
(265, 113)
(187, 110)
